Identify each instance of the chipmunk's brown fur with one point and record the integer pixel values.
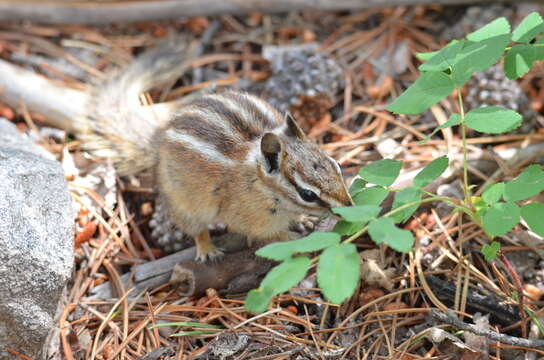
(228, 157)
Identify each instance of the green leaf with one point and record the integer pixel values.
(498, 26)
(371, 196)
(426, 56)
(528, 28)
(356, 186)
(280, 279)
(500, 218)
(286, 275)
(493, 193)
(518, 60)
(406, 196)
(347, 228)
(455, 119)
(491, 251)
(361, 213)
(315, 241)
(533, 214)
(431, 172)
(427, 90)
(257, 300)
(383, 230)
(493, 120)
(383, 172)
(338, 272)
(444, 58)
(477, 57)
(529, 183)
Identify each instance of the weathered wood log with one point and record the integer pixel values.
(59, 104)
(234, 273)
(238, 271)
(99, 12)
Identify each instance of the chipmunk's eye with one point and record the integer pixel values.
(307, 195)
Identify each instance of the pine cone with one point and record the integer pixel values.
(491, 87)
(303, 81)
(165, 232)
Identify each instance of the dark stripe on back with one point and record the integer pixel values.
(208, 132)
(258, 116)
(244, 127)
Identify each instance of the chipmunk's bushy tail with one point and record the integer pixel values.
(118, 126)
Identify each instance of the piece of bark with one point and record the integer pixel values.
(233, 273)
(156, 273)
(99, 12)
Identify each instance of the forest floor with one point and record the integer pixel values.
(369, 57)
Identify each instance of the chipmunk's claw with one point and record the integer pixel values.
(213, 254)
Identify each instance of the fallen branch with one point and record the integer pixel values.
(234, 273)
(238, 271)
(452, 319)
(99, 12)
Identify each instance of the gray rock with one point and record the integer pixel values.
(36, 242)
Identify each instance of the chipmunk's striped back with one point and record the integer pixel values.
(223, 127)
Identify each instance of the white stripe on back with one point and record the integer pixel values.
(209, 151)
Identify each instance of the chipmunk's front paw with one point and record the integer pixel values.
(212, 254)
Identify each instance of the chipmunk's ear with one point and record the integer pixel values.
(271, 146)
(293, 129)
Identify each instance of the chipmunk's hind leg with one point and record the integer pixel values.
(205, 249)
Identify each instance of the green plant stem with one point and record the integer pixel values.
(452, 201)
(466, 190)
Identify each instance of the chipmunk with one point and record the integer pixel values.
(227, 157)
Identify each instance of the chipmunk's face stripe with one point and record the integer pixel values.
(203, 148)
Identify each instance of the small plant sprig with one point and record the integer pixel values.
(497, 211)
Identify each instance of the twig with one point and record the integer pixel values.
(452, 319)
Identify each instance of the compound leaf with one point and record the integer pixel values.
(529, 183)
(498, 26)
(359, 213)
(493, 119)
(491, 251)
(431, 172)
(371, 196)
(500, 218)
(427, 90)
(382, 172)
(315, 241)
(493, 193)
(406, 196)
(338, 272)
(518, 60)
(477, 57)
(528, 28)
(533, 214)
(383, 230)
